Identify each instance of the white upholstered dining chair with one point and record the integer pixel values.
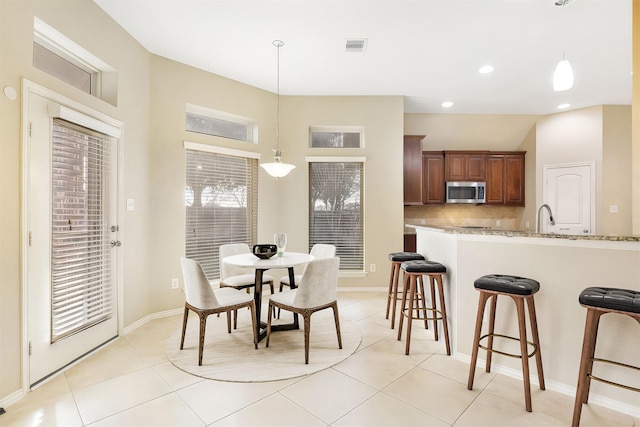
(236, 277)
(316, 291)
(202, 299)
(319, 251)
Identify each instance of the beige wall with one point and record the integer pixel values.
(598, 134)
(86, 24)
(635, 145)
(616, 170)
(382, 118)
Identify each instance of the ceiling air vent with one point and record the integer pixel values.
(355, 45)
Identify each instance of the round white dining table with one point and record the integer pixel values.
(288, 260)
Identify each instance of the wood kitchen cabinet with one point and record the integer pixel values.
(505, 178)
(464, 165)
(412, 171)
(433, 186)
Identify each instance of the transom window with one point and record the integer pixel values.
(218, 123)
(336, 136)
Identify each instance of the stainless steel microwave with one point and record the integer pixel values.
(466, 192)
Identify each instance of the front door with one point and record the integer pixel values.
(569, 191)
(71, 269)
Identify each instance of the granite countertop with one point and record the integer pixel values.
(516, 233)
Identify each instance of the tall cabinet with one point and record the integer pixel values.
(505, 178)
(413, 169)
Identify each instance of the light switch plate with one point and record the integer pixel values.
(131, 204)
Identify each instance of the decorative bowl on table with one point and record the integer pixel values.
(265, 251)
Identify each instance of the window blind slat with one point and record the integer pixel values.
(221, 199)
(81, 293)
(336, 210)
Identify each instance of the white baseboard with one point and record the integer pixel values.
(11, 399)
(135, 325)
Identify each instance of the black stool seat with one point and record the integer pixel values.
(405, 256)
(426, 267)
(507, 284)
(611, 298)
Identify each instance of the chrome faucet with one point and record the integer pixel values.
(538, 216)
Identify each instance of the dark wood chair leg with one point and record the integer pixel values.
(433, 306)
(252, 307)
(482, 300)
(443, 310)
(307, 331)
(522, 327)
(403, 303)
(337, 322)
(268, 324)
(492, 325)
(394, 298)
(184, 326)
(412, 300)
(586, 363)
(203, 326)
(536, 339)
(390, 291)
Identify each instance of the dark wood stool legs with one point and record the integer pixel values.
(588, 357)
(519, 301)
(412, 282)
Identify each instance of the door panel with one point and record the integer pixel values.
(571, 198)
(70, 264)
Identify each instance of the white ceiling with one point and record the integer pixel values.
(428, 51)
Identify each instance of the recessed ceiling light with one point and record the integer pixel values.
(485, 69)
(447, 104)
(563, 106)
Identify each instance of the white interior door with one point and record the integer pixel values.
(71, 266)
(570, 192)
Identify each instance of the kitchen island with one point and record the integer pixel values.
(564, 265)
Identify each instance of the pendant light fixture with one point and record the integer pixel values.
(277, 169)
(563, 76)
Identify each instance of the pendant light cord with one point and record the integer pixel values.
(278, 44)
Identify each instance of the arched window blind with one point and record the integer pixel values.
(82, 289)
(336, 209)
(221, 201)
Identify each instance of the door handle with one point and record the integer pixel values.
(116, 243)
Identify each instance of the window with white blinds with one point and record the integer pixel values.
(81, 280)
(336, 209)
(221, 201)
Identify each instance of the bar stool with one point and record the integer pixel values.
(413, 272)
(599, 301)
(520, 289)
(397, 258)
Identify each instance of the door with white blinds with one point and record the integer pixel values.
(71, 262)
(221, 202)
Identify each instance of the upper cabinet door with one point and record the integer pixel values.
(412, 171)
(464, 165)
(433, 178)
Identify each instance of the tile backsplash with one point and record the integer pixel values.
(496, 217)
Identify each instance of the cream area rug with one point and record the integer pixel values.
(232, 357)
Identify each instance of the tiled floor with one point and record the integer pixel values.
(131, 383)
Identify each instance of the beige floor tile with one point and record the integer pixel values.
(52, 388)
(110, 397)
(449, 367)
(174, 377)
(274, 410)
(149, 341)
(436, 395)
(117, 358)
(361, 310)
(57, 410)
(328, 394)
(385, 411)
(214, 400)
(168, 410)
(374, 329)
(375, 368)
(491, 410)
